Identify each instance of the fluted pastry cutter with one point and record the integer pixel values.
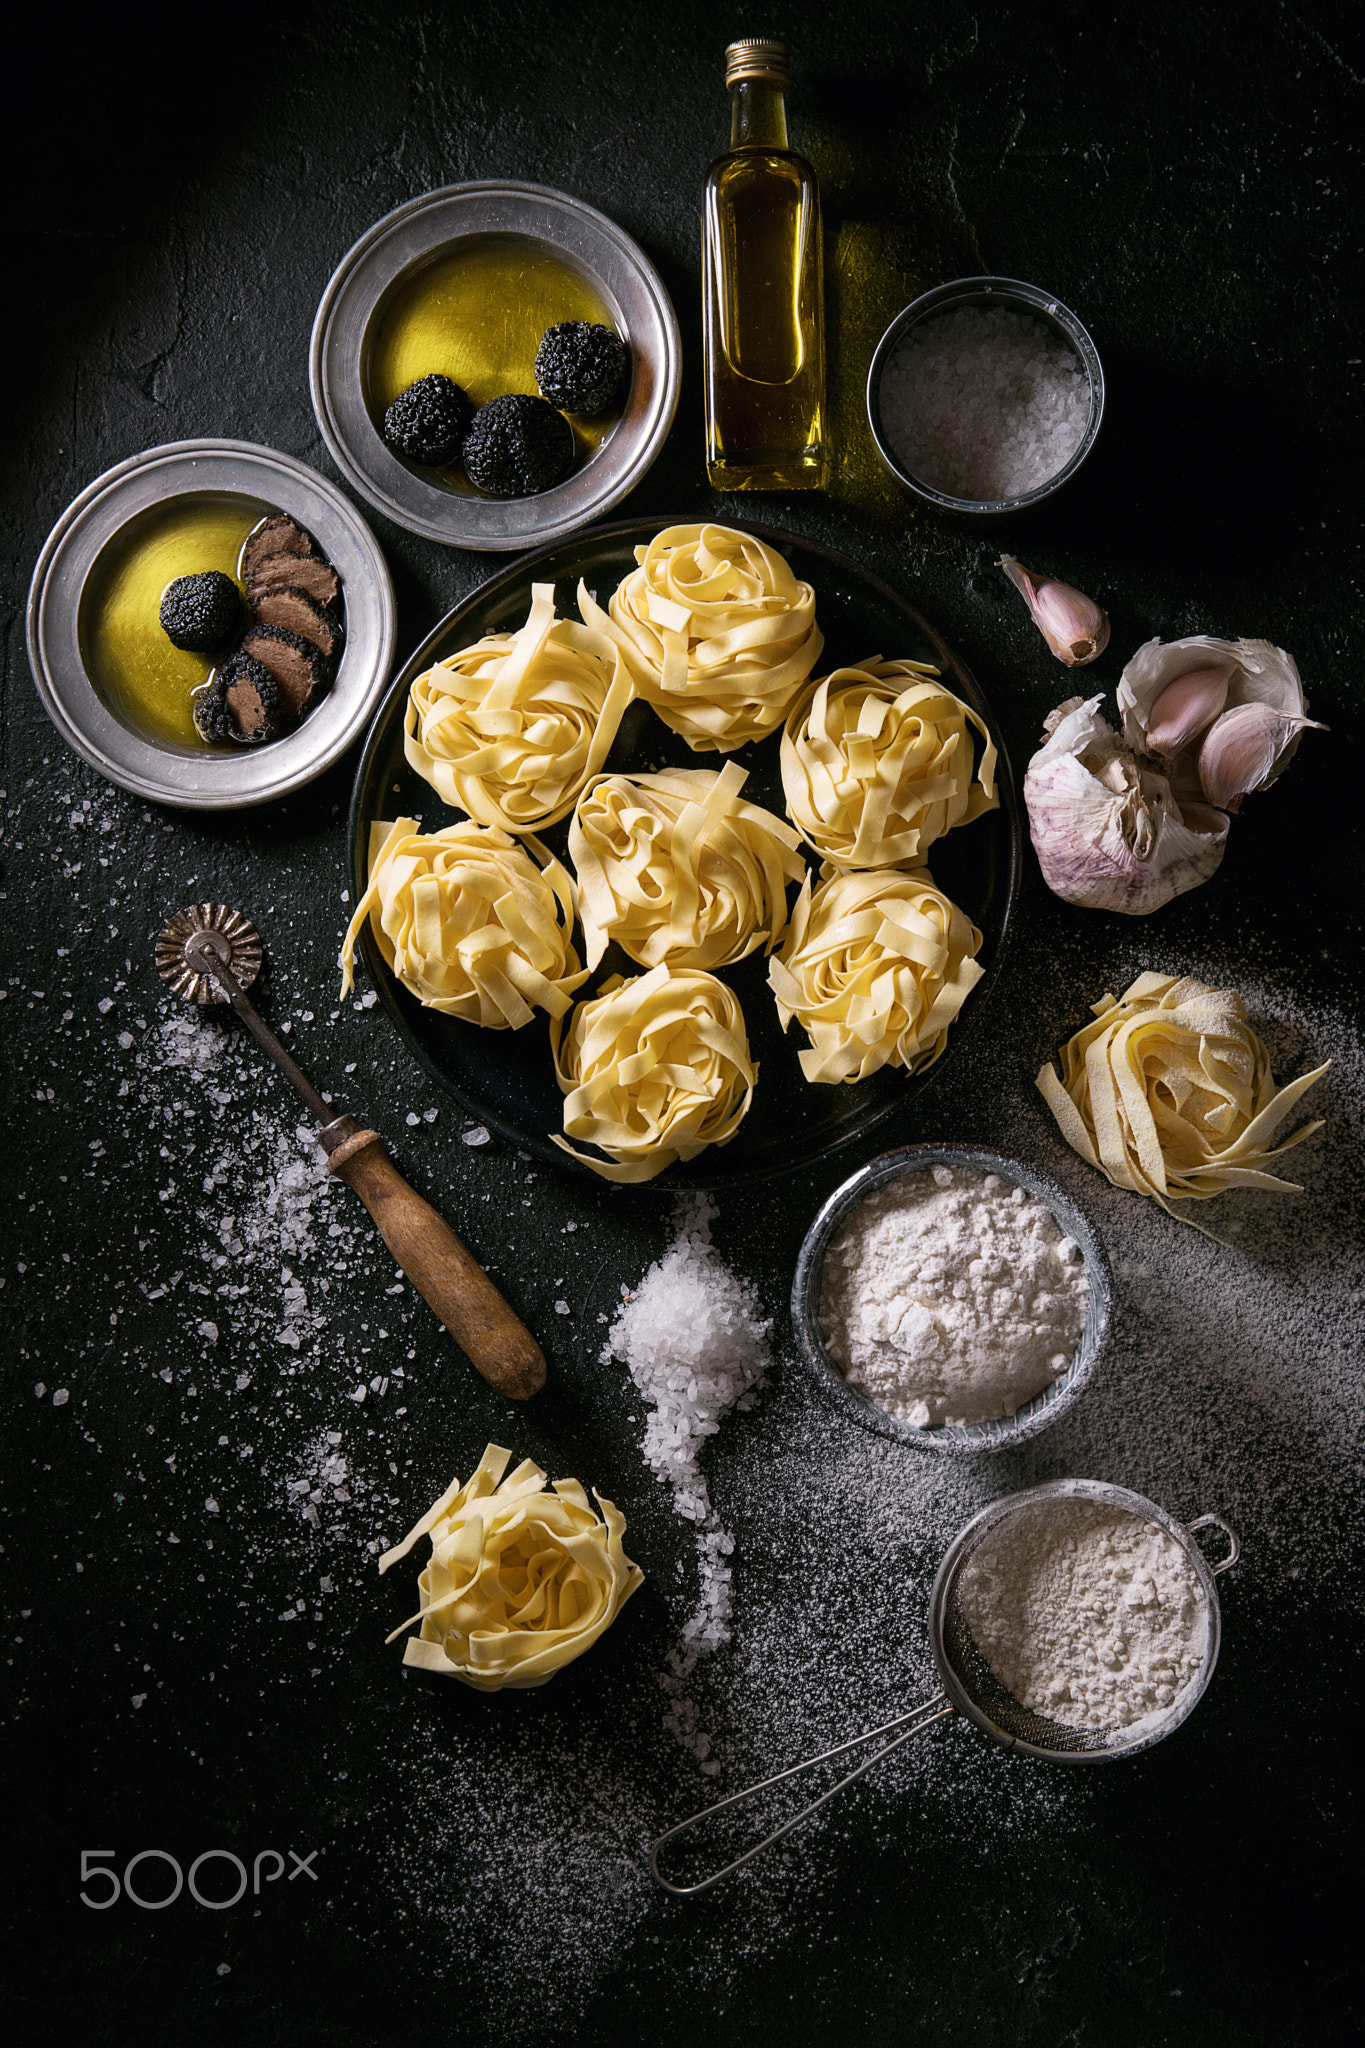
(210, 954)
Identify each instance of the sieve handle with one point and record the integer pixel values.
(914, 1723)
(1217, 1522)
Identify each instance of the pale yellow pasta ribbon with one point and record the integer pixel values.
(1169, 1092)
(676, 868)
(512, 728)
(877, 764)
(717, 632)
(654, 1069)
(467, 921)
(520, 1581)
(876, 967)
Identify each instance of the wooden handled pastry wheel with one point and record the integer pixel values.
(211, 954)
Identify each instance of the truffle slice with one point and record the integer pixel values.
(301, 670)
(294, 609)
(298, 572)
(517, 446)
(208, 709)
(201, 613)
(276, 535)
(252, 698)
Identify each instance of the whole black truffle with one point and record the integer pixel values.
(201, 613)
(517, 446)
(428, 421)
(581, 367)
(208, 708)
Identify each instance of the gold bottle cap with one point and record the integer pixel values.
(757, 58)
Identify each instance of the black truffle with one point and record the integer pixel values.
(581, 367)
(208, 708)
(201, 613)
(428, 421)
(517, 446)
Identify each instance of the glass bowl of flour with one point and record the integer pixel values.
(952, 1299)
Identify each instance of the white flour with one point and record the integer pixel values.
(1084, 1613)
(952, 1296)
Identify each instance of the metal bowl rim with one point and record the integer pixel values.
(138, 774)
(948, 1439)
(1030, 298)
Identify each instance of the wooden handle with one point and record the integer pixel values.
(442, 1269)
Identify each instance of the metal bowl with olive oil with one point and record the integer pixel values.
(115, 687)
(463, 283)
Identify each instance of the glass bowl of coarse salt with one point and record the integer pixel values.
(985, 396)
(952, 1299)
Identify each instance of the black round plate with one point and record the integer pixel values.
(506, 1079)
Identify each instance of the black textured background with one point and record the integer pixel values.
(1189, 179)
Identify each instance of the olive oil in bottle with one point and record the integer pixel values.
(762, 292)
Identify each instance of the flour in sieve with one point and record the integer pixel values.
(1085, 1613)
(952, 1296)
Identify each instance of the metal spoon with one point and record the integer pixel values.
(211, 954)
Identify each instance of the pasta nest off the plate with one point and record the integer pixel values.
(877, 764)
(468, 923)
(512, 728)
(875, 967)
(679, 870)
(1169, 1092)
(653, 1070)
(717, 633)
(520, 1581)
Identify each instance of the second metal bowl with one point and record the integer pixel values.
(1015, 297)
(1000, 1435)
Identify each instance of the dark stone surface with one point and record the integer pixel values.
(1189, 180)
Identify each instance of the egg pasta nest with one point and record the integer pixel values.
(512, 728)
(875, 966)
(1169, 1092)
(468, 923)
(717, 633)
(654, 1069)
(520, 1581)
(877, 764)
(678, 869)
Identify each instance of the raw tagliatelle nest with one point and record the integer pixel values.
(520, 1581)
(876, 967)
(512, 728)
(654, 1069)
(1170, 1093)
(467, 921)
(877, 764)
(717, 633)
(678, 869)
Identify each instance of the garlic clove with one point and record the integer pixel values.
(1246, 749)
(1073, 625)
(1186, 706)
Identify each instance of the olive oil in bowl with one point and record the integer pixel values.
(141, 678)
(476, 314)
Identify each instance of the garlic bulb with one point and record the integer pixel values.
(1108, 832)
(1072, 624)
(1237, 753)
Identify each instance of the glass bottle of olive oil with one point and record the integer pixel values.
(762, 292)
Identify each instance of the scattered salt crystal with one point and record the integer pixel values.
(105, 1005)
(561, 1308)
(429, 1116)
(358, 1393)
(60, 1398)
(412, 1118)
(475, 1135)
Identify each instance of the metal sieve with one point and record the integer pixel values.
(971, 1688)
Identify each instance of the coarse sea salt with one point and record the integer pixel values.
(984, 404)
